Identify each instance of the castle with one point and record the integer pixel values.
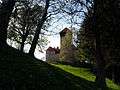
(66, 51)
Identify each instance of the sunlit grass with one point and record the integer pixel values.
(86, 74)
(81, 72)
(112, 85)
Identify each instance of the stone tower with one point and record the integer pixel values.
(66, 46)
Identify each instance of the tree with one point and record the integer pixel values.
(96, 24)
(38, 29)
(5, 13)
(107, 32)
(86, 39)
(23, 22)
(92, 39)
(105, 28)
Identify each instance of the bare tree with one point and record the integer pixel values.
(38, 30)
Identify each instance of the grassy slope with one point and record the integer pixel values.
(18, 71)
(86, 74)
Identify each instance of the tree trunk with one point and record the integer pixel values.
(100, 62)
(38, 30)
(23, 42)
(5, 13)
(25, 28)
(24, 39)
(107, 25)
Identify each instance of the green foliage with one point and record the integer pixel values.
(81, 55)
(86, 39)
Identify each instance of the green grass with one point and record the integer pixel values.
(19, 71)
(86, 74)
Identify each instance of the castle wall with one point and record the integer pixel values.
(66, 50)
(51, 56)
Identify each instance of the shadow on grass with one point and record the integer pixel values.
(78, 82)
(18, 71)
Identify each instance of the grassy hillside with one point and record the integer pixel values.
(86, 74)
(19, 71)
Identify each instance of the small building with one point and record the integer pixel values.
(52, 54)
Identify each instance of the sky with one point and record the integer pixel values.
(54, 40)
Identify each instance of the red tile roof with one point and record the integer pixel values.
(50, 49)
(56, 50)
